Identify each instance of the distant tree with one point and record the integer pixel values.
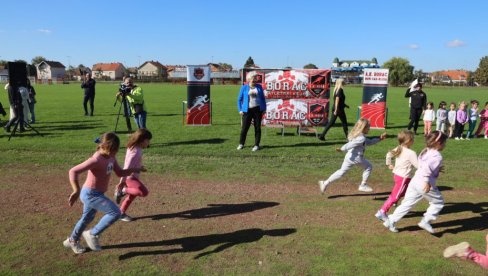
(3, 62)
(481, 74)
(401, 71)
(374, 60)
(249, 63)
(36, 60)
(419, 74)
(310, 66)
(20, 60)
(470, 78)
(225, 66)
(288, 68)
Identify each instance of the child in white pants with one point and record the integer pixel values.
(355, 155)
(423, 184)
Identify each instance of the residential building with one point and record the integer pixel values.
(459, 77)
(111, 71)
(351, 70)
(50, 70)
(152, 70)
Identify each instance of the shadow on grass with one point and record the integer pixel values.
(441, 188)
(191, 142)
(215, 210)
(361, 194)
(313, 144)
(163, 115)
(199, 243)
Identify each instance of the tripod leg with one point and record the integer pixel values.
(118, 116)
(29, 126)
(127, 114)
(14, 130)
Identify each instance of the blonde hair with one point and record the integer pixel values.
(358, 128)
(138, 137)
(338, 85)
(404, 137)
(434, 139)
(250, 76)
(109, 144)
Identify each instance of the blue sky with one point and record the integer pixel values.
(432, 35)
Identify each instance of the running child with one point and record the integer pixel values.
(429, 117)
(355, 155)
(99, 167)
(423, 184)
(473, 114)
(483, 122)
(441, 115)
(463, 250)
(131, 185)
(451, 119)
(461, 120)
(405, 162)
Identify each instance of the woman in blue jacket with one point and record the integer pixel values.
(251, 104)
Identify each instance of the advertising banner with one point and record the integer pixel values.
(198, 95)
(373, 105)
(294, 96)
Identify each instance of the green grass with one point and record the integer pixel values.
(323, 244)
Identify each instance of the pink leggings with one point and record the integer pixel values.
(479, 258)
(427, 127)
(134, 189)
(401, 185)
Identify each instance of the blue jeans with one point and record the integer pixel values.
(94, 201)
(140, 119)
(33, 115)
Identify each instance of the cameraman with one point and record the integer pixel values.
(88, 85)
(16, 102)
(135, 97)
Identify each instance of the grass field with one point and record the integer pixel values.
(215, 210)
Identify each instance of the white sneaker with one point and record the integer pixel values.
(390, 225)
(457, 138)
(91, 241)
(255, 148)
(461, 138)
(381, 216)
(365, 188)
(240, 147)
(75, 246)
(323, 185)
(458, 250)
(126, 218)
(486, 137)
(426, 226)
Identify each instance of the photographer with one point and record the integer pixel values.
(88, 85)
(16, 102)
(135, 97)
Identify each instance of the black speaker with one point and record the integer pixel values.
(17, 74)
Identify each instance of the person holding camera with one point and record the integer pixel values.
(88, 85)
(135, 98)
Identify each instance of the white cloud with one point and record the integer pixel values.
(44, 31)
(455, 43)
(413, 46)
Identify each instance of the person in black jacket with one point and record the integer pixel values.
(88, 85)
(337, 110)
(418, 103)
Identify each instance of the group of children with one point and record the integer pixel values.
(92, 194)
(454, 120)
(413, 185)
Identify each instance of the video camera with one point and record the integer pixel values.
(124, 89)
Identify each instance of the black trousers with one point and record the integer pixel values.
(253, 114)
(91, 99)
(342, 116)
(415, 114)
(18, 116)
(458, 130)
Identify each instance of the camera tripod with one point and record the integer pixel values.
(127, 113)
(21, 121)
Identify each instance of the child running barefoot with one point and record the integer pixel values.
(423, 184)
(405, 162)
(99, 167)
(131, 185)
(464, 250)
(355, 155)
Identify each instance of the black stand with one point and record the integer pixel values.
(25, 124)
(127, 113)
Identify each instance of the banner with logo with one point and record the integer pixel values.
(373, 105)
(294, 96)
(198, 95)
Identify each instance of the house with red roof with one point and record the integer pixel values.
(450, 77)
(112, 71)
(50, 70)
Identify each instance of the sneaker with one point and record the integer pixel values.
(461, 138)
(118, 195)
(240, 147)
(457, 138)
(381, 216)
(321, 138)
(486, 136)
(323, 185)
(255, 148)
(126, 218)
(91, 241)
(390, 225)
(365, 188)
(426, 226)
(75, 246)
(458, 250)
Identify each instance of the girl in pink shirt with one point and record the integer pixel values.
(405, 162)
(99, 167)
(131, 185)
